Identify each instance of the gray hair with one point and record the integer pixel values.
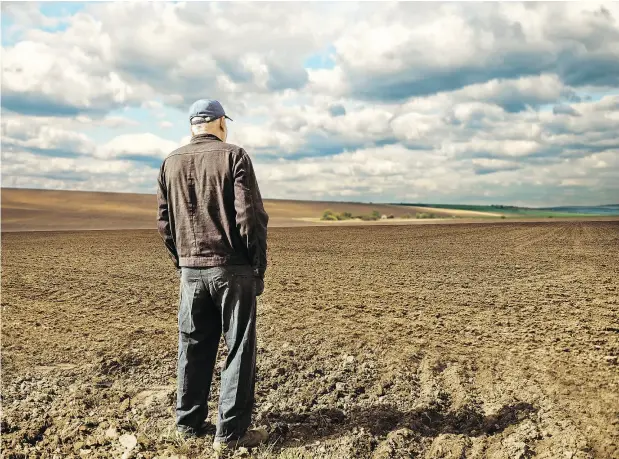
(200, 124)
(197, 129)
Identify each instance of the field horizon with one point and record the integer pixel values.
(28, 209)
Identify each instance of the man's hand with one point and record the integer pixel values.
(259, 285)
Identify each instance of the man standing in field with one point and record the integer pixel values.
(214, 227)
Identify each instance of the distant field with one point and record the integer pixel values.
(512, 211)
(26, 209)
(595, 210)
(41, 210)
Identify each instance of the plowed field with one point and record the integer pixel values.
(433, 341)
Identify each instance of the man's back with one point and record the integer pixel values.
(215, 211)
(214, 227)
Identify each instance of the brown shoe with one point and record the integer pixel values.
(252, 438)
(191, 432)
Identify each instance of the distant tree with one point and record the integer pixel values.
(376, 214)
(328, 215)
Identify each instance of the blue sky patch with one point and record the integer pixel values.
(322, 60)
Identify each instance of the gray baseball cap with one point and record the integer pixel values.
(205, 111)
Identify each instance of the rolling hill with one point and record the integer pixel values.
(30, 209)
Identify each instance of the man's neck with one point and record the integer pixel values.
(206, 135)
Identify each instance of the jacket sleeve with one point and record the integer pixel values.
(251, 218)
(163, 218)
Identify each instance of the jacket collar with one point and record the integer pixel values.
(202, 137)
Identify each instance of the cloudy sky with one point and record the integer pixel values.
(494, 103)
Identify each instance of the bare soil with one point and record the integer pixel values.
(429, 341)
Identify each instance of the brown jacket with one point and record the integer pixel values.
(210, 208)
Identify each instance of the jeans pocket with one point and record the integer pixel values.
(186, 305)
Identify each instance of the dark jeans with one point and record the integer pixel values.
(212, 301)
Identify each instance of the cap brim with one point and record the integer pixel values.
(228, 117)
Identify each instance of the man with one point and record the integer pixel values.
(214, 227)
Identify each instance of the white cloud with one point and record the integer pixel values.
(55, 80)
(145, 144)
(21, 132)
(402, 51)
(28, 15)
(263, 138)
(168, 48)
(25, 169)
(508, 148)
(515, 94)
